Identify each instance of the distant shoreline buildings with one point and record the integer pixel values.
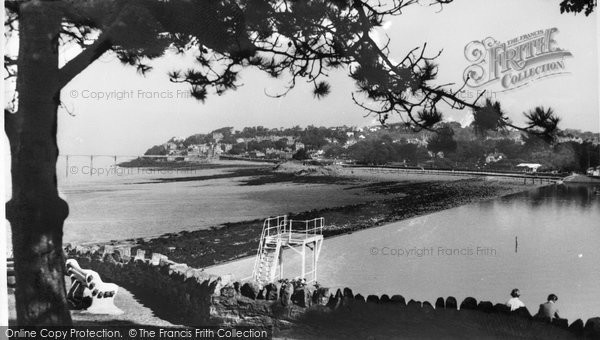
(395, 143)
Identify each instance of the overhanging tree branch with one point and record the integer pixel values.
(79, 63)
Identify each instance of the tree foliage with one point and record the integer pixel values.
(442, 141)
(300, 155)
(578, 6)
(300, 39)
(157, 150)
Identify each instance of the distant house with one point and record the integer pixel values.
(217, 136)
(274, 153)
(494, 157)
(417, 141)
(528, 167)
(299, 145)
(257, 154)
(593, 171)
(226, 147)
(569, 138)
(170, 146)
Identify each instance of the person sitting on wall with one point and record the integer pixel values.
(548, 311)
(515, 303)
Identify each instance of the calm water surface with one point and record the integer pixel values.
(558, 252)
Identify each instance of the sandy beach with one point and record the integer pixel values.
(393, 197)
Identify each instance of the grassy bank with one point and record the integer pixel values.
(401, 199)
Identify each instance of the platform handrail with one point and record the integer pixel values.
(312, 227)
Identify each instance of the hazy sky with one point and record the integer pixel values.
(130, 125)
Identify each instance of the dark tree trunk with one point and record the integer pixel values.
(35, 211)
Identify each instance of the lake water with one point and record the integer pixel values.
(558, 252)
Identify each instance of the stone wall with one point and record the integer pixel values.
(191, 296)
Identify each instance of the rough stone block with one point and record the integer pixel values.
(179, 269)
(414, 304)
(348, 292)
(302, 297)
(125, 252)
(577, 327)
(140, 255)
(109, 258)
(485, 306)
(522, 312)
(201, 276)
(333, 302)
(398, 300)
(189, 273)
(155, 259)
(107, 249)
(439, 303)
(562, 323)
(164, 261)
(250, 290)
(384, 299)
(117, 256)
(228, 292)
(373, 299)
(501, 308)
(286, 292)
(592, 328)
(451, 302)
(321, 296)
(272, 291)
(427, 307)
(469, 303)
(359, 298)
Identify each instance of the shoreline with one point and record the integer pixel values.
(401, 200)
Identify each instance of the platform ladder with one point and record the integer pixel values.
(269, 250)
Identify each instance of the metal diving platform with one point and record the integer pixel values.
(279, 233)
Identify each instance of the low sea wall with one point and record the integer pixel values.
(191, 296)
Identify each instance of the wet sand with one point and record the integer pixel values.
(401, 196)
